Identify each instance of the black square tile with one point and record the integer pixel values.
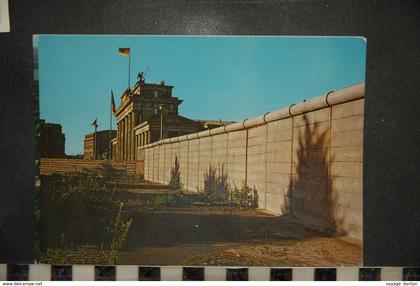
(369, 274)
(61, 273)
(325, 274)
(281, 274)
(238, 274)
(17, 272)
(149, 273)
(411, 274)
(105, 273)
(193, 274)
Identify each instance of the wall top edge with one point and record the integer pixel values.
(331, 98)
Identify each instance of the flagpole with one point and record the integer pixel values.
(110, 130)
(129, 63)
(95, 154)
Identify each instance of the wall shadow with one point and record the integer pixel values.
(215, 183)
(175, 183)
(309, 197)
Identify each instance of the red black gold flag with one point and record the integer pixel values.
(124, 51)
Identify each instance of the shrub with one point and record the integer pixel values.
(172, 199)
(245, 197)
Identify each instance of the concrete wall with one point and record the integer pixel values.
(306, 159)
(50, 166)
(347, 165)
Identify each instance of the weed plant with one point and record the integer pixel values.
(245, 198)
(79, 210)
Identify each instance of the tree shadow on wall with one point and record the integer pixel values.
(175, 183)
(309, 197)
(215, 183)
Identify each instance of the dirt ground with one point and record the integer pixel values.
(185, 238)
(321, 251)
(207, 235)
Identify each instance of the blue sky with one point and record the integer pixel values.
(229, 78)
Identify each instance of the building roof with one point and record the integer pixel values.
(173, 118)
(132, 94)
(152, 84)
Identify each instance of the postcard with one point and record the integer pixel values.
(200, 150)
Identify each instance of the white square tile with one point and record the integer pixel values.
(391, 274)
(3, 272)
(303, 274)
(83, 272)
(214, 274)
(348, 274)
(171, 273)
(39, 272)
(127, 273)
(259, 274)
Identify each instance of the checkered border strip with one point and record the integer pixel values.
(46, 272)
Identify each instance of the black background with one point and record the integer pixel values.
(391, 147)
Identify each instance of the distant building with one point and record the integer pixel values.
(148, 113)
(101, 146)
(52, 140)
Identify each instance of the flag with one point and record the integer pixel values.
(124, 51)
(95, 123)
(114, 110)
